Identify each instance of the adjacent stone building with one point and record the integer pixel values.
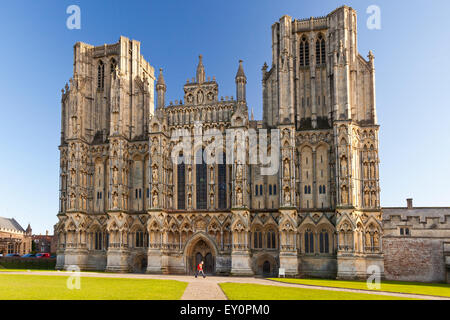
(13, 238)
(125, 205)
(416, 243)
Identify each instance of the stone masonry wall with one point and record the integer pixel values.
(414, 259)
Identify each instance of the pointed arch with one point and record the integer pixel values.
(101, 75)
(320, 49)
(304, 52)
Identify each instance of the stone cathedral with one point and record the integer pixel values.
(126, 206)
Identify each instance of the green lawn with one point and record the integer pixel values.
(244, 291)
(43, 270)
(434, 289)
(34, 287)
(27, 270)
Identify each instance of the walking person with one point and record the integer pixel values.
(200, 269)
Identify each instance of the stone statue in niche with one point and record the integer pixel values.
(344, 195)
(210, 96)
(239, 171)
(115, 179)
(287, 196)
(286, 168)
(376, 240)
(239, 197)
(211, 200)
(368, 244)
(190, 98)
(343, 167)
(155, 174)
(189, 200)
(374, 199)
(366, 170)
(115, 200)
(155, 200)
(189, 175)
(372, 170)
(200, 97)
(366, 199)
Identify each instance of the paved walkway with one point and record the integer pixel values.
(208, 288)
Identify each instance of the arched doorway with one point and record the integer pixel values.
(266, 269)
(201, 251)
(139, 264)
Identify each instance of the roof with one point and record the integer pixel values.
(421, 212)
(10, 224)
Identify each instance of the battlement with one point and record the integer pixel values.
(417, 217)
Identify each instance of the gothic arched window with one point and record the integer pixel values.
(222, 168)
(257, 239)
(271, 241)
(201, 171)
(139, 235)
(320, 50)
(304, 52)
(270, 189)
(181, 183)
(309, 241)
(98, 240)
(324, 242)
(101, 75)
(113, 65)
(275, 189)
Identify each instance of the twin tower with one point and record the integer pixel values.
(127, 206)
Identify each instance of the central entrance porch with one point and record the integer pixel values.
(200, 249)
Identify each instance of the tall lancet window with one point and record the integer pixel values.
(320, 50)
(181, 183)
(201, 187)
(101, 75)
(304, 52)
(113, 65)
(222, 181)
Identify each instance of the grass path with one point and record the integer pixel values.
(434, 289)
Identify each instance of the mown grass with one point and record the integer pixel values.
(244, 291)
(37, 287)
(43, 270)
(433, 289)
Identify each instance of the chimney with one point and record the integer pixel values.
(409, 203)
(46, 233)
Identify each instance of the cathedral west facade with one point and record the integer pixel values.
(126, 205)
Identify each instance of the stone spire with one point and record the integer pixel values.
(161, 78)
(252, 117)
(240, 73)
(161, 90)
(200, 70)
(241, 81)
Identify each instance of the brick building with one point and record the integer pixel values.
(44, 243)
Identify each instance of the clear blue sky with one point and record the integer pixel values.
(36, 55)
